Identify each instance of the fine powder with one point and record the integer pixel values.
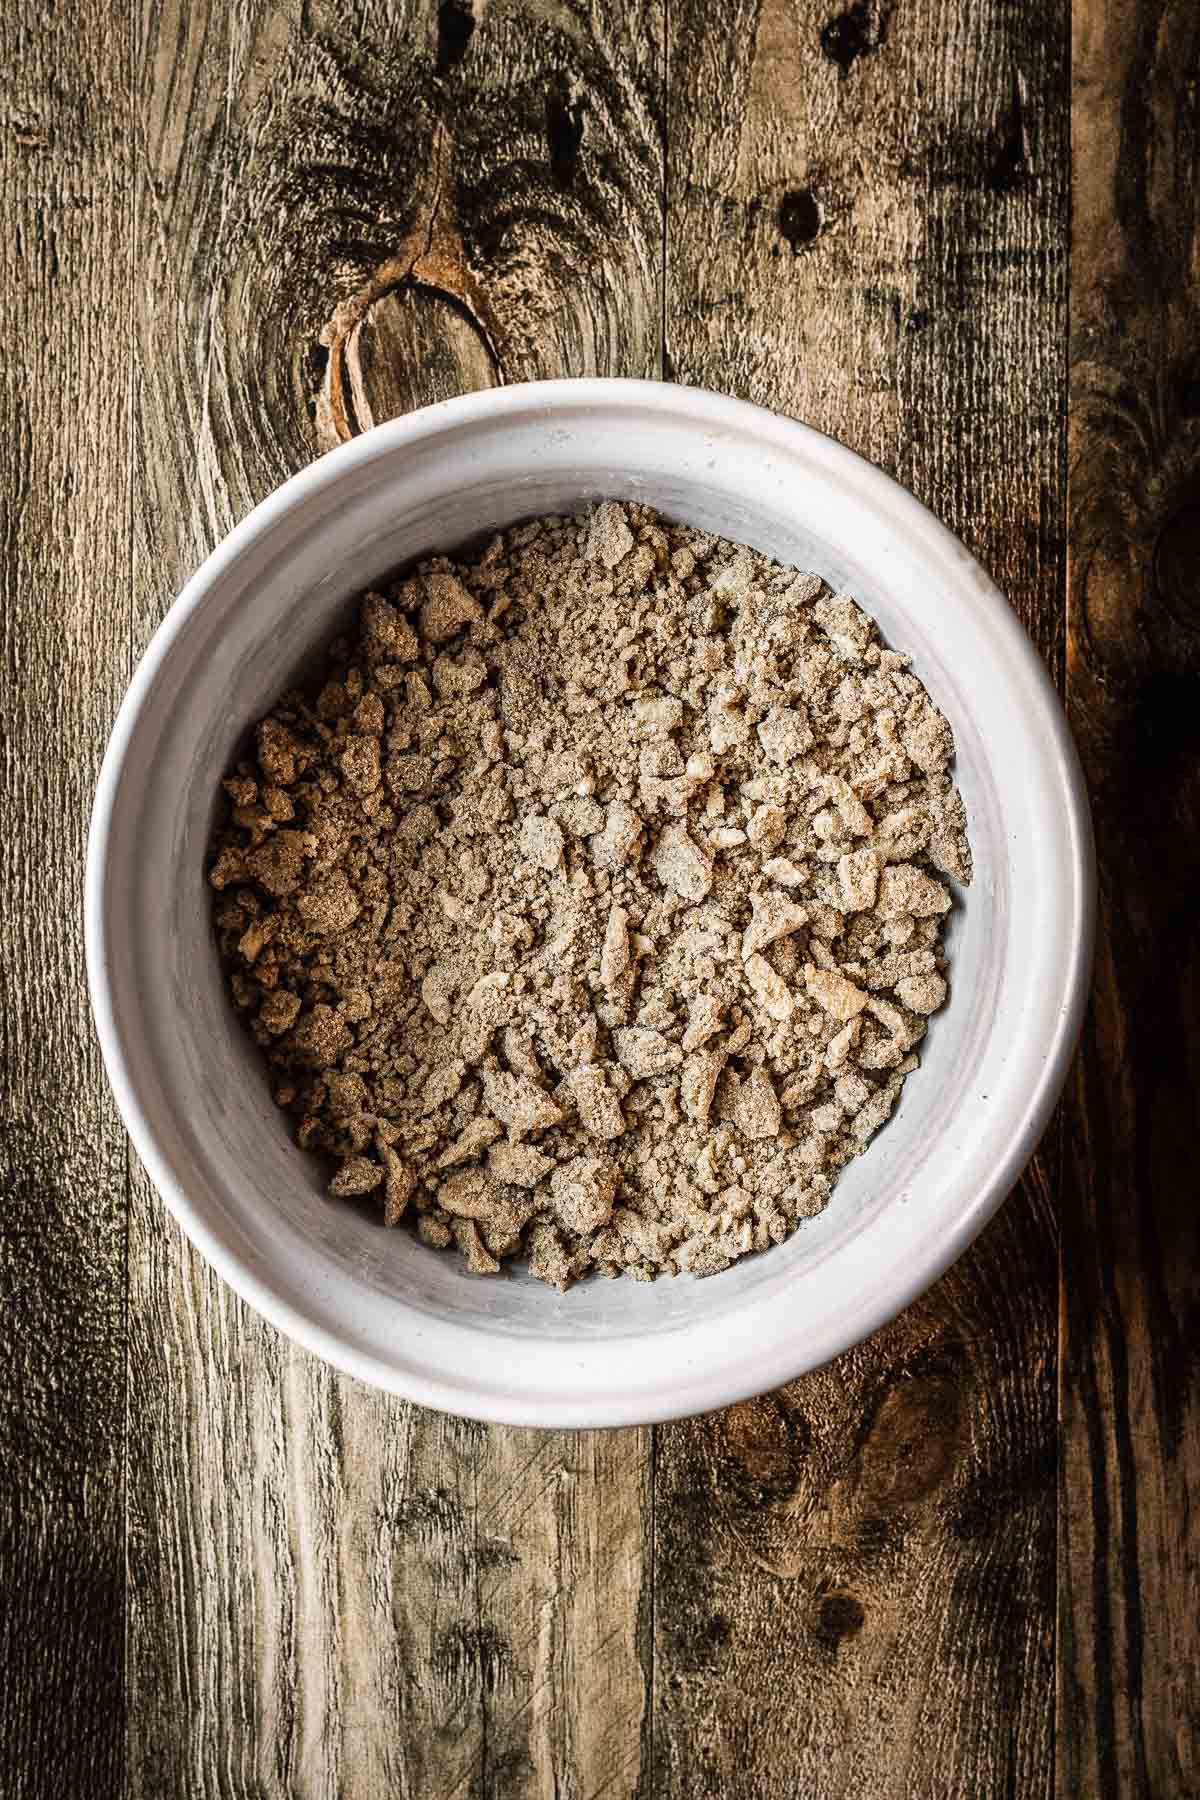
(591, 911)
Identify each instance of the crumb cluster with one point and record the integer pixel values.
(591, 910)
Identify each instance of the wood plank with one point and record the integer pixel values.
(854, 1578)
(346, 212)
(1129, 1694)
(65, 274)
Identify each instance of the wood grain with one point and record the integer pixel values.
(344, 213)
(855, 1575)
(65, 275)
(1129, 1692)
(234, 234)
(854, 1578)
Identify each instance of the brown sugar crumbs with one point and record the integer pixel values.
(590, 912)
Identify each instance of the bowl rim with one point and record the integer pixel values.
(782, 1360)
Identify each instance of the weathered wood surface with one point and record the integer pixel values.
(65, 273)
(1129, 1715)
(854, 1578)
(233, 234)
(332, 1592)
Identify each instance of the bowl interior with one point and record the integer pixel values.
(193, 1088)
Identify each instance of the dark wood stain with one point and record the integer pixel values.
(564, 133)
(958, 1560)
(1130, 1456)
(859, 31)
(455, 29)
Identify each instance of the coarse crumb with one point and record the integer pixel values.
(590, 910)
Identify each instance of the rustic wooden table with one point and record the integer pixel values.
(962, 235)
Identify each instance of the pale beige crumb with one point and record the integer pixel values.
(589, 909)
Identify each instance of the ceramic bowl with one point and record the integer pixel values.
(191, 1088)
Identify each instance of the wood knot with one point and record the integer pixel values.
(839, 1616)
(760, 1447)
(859, 31)
(419, 329)
(912, 1446)
(800, 218)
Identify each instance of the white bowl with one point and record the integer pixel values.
(190, 1085)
